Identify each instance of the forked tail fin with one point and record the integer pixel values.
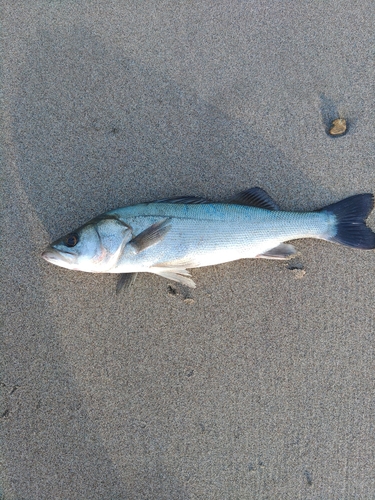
(351, 215)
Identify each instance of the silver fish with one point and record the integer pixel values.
(169, 236)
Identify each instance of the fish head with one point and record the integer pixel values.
(77, 250)
(94, 247)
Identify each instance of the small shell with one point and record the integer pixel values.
(338, 127)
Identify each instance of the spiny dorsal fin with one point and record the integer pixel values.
(255, 197)
(185, 200)
(150, 236)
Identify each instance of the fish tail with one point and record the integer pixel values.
(351, 214)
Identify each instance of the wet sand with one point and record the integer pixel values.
(260, 382)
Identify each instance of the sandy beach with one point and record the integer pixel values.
(259, 383)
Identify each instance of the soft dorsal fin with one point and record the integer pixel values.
(185, 200)
(255, 197)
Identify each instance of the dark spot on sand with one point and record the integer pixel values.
(292, 266)
(297, 269)
(308, 477)
(182, 292)
(171, 290)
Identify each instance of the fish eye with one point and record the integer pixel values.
(71, 240)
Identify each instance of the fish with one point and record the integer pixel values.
(169, 236)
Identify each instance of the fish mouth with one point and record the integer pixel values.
(52, 255)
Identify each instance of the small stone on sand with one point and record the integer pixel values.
(338, 127)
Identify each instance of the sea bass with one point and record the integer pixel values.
(169, 236)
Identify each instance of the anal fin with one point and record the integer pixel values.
(282, 252)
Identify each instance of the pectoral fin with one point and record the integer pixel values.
(150, 236)
(281, 252)
(125, 281)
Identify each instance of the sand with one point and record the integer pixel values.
(258, 384)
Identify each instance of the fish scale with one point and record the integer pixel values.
(169, 236)
(230, 233)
